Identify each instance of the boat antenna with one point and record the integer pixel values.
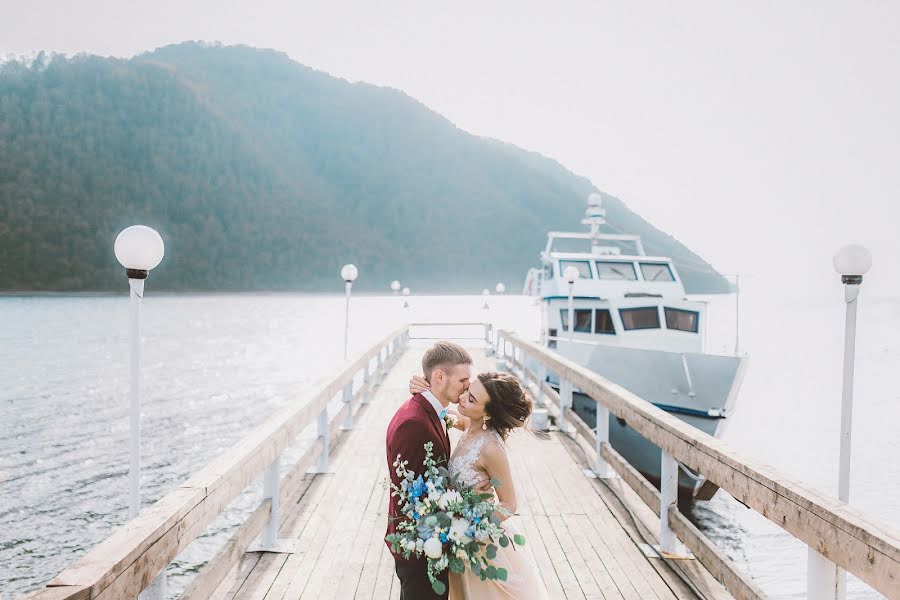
(594, 216)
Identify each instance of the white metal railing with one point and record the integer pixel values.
(844, 535)
(487, 336)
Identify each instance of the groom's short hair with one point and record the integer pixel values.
(444, 354)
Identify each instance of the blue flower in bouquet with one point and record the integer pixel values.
(418, 488)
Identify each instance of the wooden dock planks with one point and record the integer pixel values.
(579, 546)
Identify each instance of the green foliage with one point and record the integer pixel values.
(519, 539)
(491, 551)
(261, 173)
(457, 565)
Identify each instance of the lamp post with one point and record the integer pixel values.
(571, 275)
(851, 263)
(406, 295)
(349, 273)
(500, 288)
(395, 286)
(139, 249)
(485, 293)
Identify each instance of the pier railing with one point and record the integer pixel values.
(845, 536)
(127, 562)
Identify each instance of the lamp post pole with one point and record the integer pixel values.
(823, 578)
(349, 273)
(139, 249)
(134, 473)
(851, 262)
(406, 293)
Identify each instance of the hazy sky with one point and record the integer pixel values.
(761, 134)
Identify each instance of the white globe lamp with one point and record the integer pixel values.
(139, 248)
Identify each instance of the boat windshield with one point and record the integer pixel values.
(584, 246)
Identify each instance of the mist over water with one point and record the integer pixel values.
(217, 365)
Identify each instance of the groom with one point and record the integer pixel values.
(446, 367)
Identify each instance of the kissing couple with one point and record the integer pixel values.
(486, 408)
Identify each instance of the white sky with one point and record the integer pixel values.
(763, 135)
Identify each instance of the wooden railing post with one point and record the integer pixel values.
(602, 469)
(270, 492)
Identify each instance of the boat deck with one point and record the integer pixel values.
(584, 541)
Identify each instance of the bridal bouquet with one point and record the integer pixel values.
(449, 523)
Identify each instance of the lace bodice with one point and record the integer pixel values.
(462, 462)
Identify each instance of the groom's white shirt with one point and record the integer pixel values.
(437, 406)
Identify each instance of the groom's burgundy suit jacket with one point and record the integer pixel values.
(414, 424)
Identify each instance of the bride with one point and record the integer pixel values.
(494, 405)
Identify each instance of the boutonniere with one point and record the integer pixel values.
(449, 418)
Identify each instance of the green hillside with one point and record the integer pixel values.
(261, 173)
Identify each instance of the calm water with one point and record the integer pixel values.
(217, 365)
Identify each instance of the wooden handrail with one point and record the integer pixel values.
(122, 565)
(844, 535)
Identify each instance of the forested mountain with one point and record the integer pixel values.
(261, 173)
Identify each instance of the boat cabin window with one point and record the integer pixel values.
(548, 271)
(583, 266)
(582, 320)
(640, 318)
(622, 271)
(682, 320)
(603, 322)
(657, 272)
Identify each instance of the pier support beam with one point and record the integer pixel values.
(270, 492)
(348, 404)
(366, 391)
(322, 465)
(602, 469)
(669, 545)
(821, 577)
(565, 403)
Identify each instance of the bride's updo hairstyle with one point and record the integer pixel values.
(509, 406)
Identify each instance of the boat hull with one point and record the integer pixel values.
(699, 389)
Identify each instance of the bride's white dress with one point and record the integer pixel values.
(522, 581)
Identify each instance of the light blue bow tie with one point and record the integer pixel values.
(443, 413)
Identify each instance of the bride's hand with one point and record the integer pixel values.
(417, 385)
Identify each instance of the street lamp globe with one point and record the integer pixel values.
(139, 248)
(485, 292)
(853, 261)
(395, 286)
(406, 291)
(349, 273)
(501, 289)
(571, 274)
(595, 199)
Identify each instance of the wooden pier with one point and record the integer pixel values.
(320, 534)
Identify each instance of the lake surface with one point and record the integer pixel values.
(217, 365)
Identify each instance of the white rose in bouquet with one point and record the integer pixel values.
(433, 548)
(458, 528)
(449, 497)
